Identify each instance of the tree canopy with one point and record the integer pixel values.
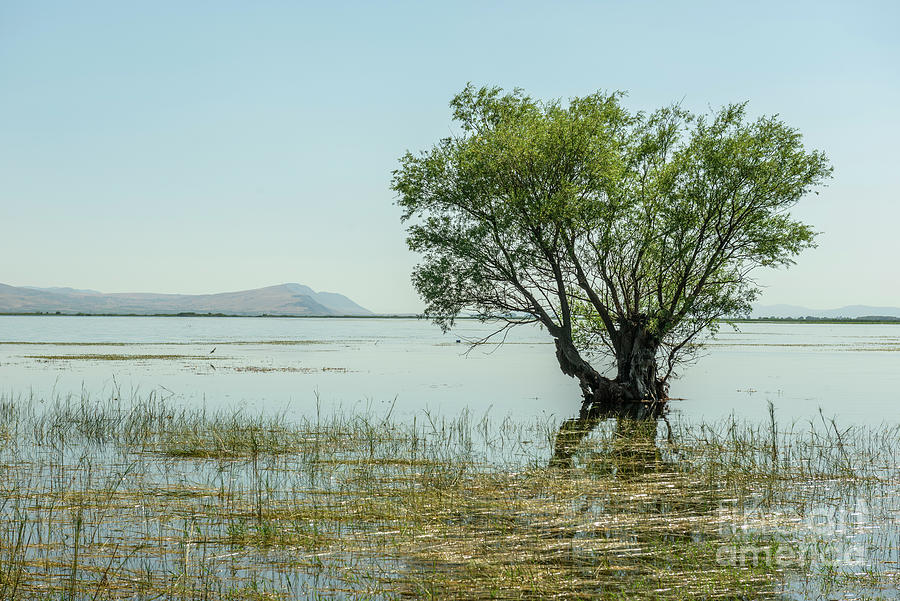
(624, 234)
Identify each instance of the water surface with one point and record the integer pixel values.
(849, 371)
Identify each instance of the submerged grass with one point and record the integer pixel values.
(141, 499)
(117, 357)
(286, 342)
(290, 369)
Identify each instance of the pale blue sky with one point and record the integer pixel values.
(210, 146)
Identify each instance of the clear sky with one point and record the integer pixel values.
(211, 146)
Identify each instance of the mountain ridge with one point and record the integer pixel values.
(280, 299)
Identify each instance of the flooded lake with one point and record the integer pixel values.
(120, 479)
(849, 371)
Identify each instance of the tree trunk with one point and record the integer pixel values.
(636, 393)
(636, 362)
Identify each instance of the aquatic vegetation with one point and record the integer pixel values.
(138, 498)
(118, 357)
(276, 342)
(290, 369)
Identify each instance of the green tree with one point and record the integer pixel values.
(625, 235)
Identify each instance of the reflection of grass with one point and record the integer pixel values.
(147, 499)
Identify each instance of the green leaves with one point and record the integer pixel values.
(586, 217)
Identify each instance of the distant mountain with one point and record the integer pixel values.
(64, 290)
(850, 311)
(285, 299)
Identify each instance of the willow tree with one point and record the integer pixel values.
(625, 235)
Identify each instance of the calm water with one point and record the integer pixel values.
(850, 371)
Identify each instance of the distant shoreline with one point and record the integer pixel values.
(805, 320)
(814, 320)
(190, 314)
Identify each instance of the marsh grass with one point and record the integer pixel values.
(119, 357)
(141, 499)
(193, 362)
(290, 369)
(276, 342)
